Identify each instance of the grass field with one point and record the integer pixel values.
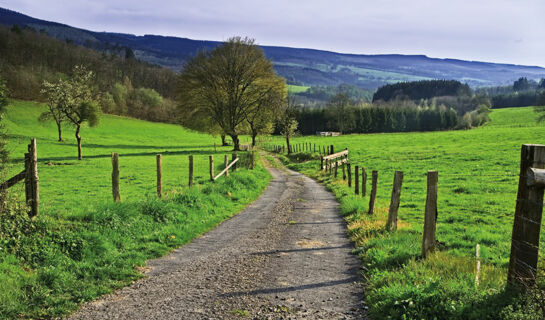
(297, 89)
(478, 176)
(83, 245)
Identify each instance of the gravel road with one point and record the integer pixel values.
(286, 256)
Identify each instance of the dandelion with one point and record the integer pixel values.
(172, 237)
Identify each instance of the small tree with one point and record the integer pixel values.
(56, 99)
(540, 108)
(288, 122)
(76, 100)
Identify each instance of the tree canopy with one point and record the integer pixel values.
(230, 85)
(75, 100)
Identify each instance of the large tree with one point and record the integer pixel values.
(76, 100)
(227, 84)
(260, 118)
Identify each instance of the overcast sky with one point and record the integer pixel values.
(510, 31)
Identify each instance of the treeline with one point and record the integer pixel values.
(29, 57)
(374, 119)
(409, 106)
(425, 89)
(522, 93)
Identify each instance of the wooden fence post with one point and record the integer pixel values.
(314, 148)
(32, 179)
(391, 225)
(331, 150)
(363, 182)
(349, 175)
(373, 196)
(336, 168)
(356, 180)
(233, 157)
(344, 171)
(159, 159)
(330, 166)
(527, 223)
(430, 219)
(115, 177)
(321, 163)
(190, 184)
(226, 163)
(211, 162)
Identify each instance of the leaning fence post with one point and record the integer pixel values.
(211, 164)
(356, 180)
(159, 175)
(344, 171)
(190, 184)
(32, 179)
(373, 196)
(391, 225)
(430, 219)
(528, 214)
(363, 182)
(336, 168)
(115, 177)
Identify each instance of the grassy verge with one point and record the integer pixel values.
(82, 245)
(478, 175)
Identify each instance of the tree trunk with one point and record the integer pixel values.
(78, 137)
(223, 141)
(236, 143)
(288, 143)
(59, 129)
(253, 139)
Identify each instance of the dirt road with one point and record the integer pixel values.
(286, 256)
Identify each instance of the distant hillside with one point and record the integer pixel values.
(298, 66)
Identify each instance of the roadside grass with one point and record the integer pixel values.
(82, 245)
(478, 177)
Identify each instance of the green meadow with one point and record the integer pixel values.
(478, 177)
(83, 245)
(297, 89)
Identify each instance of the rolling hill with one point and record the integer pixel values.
(298, 66)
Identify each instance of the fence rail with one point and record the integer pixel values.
(224, 171)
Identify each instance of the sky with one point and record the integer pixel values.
(506, 31)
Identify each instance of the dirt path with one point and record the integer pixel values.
(286, 256)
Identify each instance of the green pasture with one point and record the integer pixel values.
(83, 245)
(478, 177)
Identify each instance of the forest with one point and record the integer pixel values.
(126, 85)
(522, 93)
(428, 105)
